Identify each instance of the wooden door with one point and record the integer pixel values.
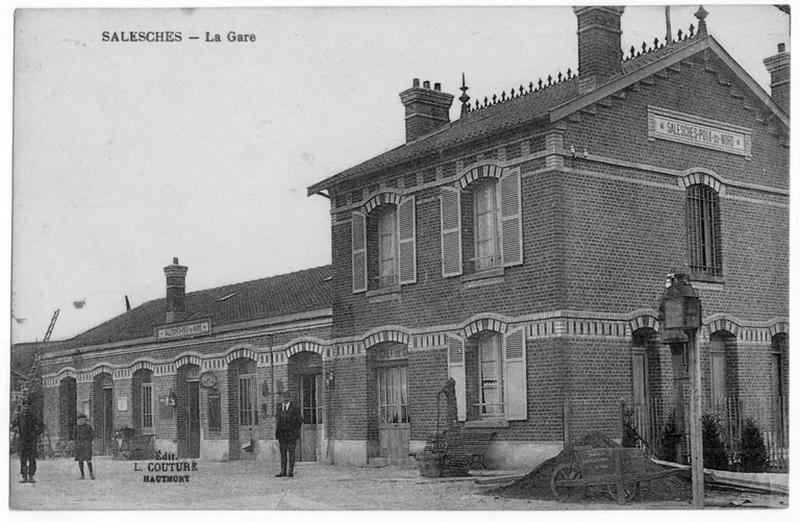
(107, 408)
(640, 399)
(309, 386)
(394, 429)
(193, 419)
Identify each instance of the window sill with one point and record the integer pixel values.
(706, 278)
(388, 293)
(484, 277)
(487, 423)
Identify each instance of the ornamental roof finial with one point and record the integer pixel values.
(464, 98)
(701, 15)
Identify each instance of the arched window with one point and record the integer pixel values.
(703, 230)
(485, 210)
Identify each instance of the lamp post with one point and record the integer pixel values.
(681, 317)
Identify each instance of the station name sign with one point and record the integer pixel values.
(693, 130)
(176, 331)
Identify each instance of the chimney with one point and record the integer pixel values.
(176, 291)
(426, 109)
(778, 67)
(599, 44)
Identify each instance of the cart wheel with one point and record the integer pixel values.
(564, 492)
(629, 488)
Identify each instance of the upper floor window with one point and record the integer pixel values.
(703, 230)
(486, 216)
(481, 223)
(387, 247)
(383, 240)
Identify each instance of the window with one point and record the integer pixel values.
(703, 231)
(490, 376)
(392, 395)
(487, 237)
(248, 414)
(387, 247)
(481, 223)
(147, 406)
(383, 240)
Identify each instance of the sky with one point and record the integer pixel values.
(126, 155)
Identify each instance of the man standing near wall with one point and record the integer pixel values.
(28, 427)
(287, 431)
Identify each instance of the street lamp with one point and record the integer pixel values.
(681, 317)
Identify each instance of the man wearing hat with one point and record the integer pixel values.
(287, 431)
(29, 427)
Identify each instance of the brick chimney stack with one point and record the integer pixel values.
(176, 291)
(778, 67)
(426, 109)
(599, 44)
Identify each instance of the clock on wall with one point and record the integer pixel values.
(208, 380)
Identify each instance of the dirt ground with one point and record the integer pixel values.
(251, 486)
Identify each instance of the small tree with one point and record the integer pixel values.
(668, 448)
(714, 454)
(753, 456)
(629, 435)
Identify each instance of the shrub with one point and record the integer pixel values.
(629, 435)
(753, 456)
(668, 447)
(714, 454)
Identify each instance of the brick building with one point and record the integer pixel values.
(198, 372)
(521, 249)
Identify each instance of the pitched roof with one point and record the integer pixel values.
(541, 104)
(284, 294)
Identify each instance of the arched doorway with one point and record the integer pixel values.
(187, 406)
(389, 420)
(305, 376)
(67, 408)
(103, 412)
(780, 387)
(242, 408)
(648, 408)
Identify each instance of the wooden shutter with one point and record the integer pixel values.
(511, 217)
(407, 240)
(456, 368)
(358, 230)
(451, 232)
(515, 380)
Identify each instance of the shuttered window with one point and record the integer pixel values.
(359, 251)
(511, 217)
(407, 235)
(703, 230)
(516, 382)
(450, 200)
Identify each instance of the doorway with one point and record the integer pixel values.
(309, 387)
(189, 411)
(394, 428)
(103, 414)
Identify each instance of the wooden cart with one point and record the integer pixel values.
(613, 470)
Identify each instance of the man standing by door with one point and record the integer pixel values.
(287, 431)
(29, 427)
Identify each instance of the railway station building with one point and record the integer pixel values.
(521, 249)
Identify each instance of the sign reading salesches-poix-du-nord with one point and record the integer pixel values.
(174, 331)
(693, 130)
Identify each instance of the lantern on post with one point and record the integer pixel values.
(681, 317)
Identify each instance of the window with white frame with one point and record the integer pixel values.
(387, 247)
(490, 375)
(485, 220)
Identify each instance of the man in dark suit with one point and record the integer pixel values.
(29, 427)
(287, 431)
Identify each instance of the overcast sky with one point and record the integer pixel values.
(129, 154)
